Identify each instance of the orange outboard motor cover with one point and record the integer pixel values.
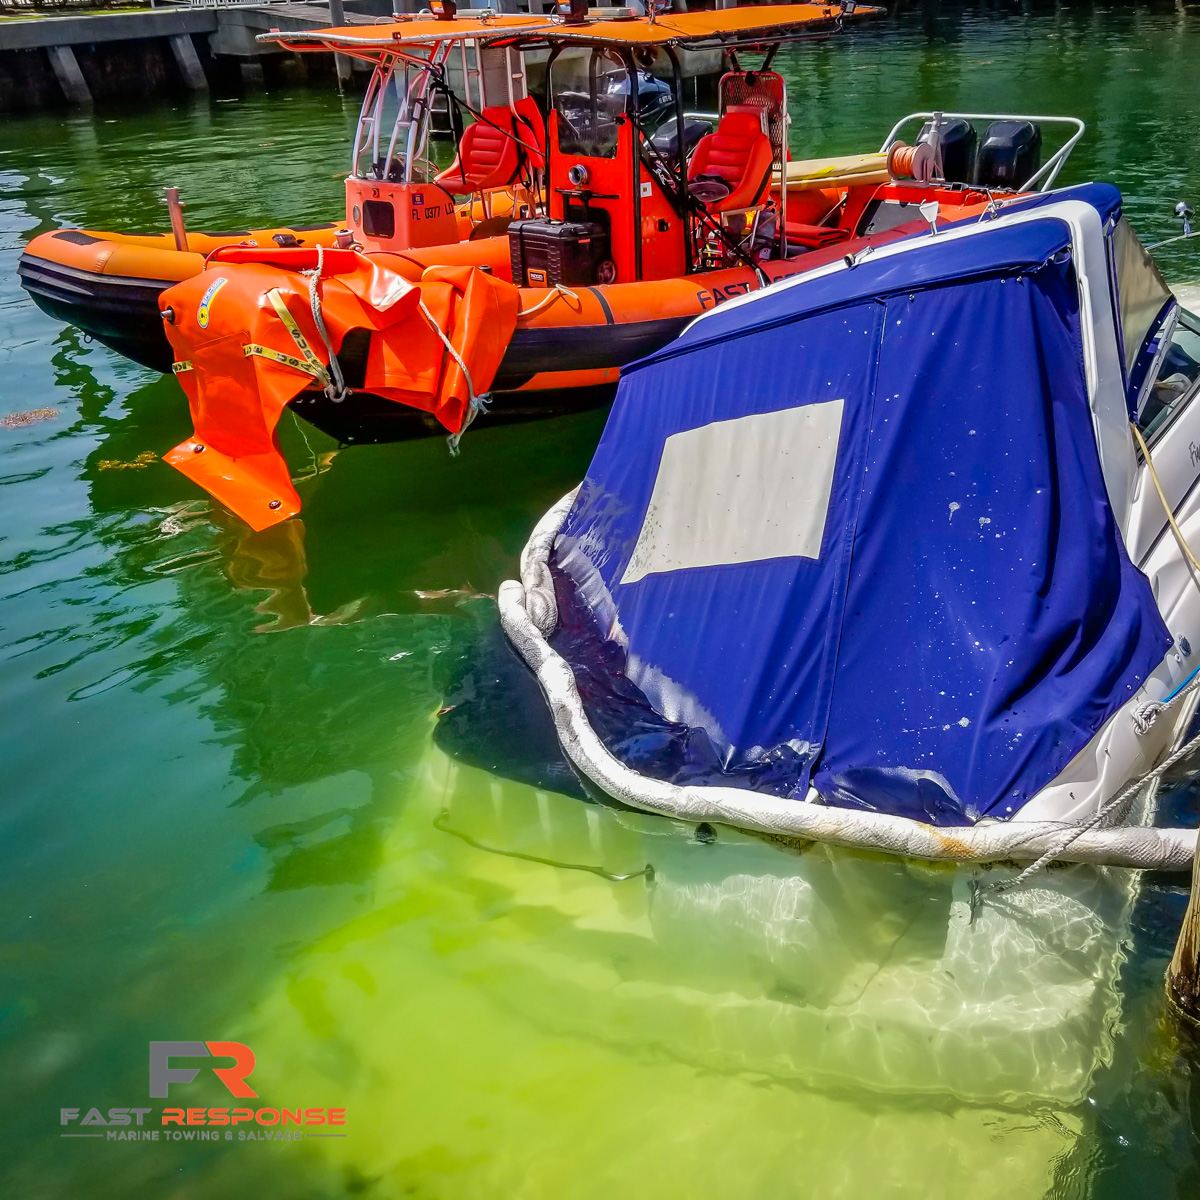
(246, 343)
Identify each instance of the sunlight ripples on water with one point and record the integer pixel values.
(226, 818)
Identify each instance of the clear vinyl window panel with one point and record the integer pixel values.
(1141, 290)
(1177, 379)
(590, 90)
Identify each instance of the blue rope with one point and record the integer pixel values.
(1168, 699)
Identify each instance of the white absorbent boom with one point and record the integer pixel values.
(529, 614)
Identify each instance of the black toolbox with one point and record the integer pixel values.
(545, 252)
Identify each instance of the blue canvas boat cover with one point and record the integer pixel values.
(854, 533)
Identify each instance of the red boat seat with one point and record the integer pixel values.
(487, 155)
(531, 129)
(739, 153)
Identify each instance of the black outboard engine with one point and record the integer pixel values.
(1009, 155)
(957, 138)
(666, 140)
(655, 98)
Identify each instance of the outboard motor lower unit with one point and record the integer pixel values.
(1009, 155)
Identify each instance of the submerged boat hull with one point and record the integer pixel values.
(816, 964)
(701, 1004)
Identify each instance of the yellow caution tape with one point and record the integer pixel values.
(315, 366)
(288, 360)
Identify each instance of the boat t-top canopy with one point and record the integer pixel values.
(409, 32)
(759, 25)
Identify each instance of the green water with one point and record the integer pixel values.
(222, 816)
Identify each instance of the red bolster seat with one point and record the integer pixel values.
(487, 155)
(738, 152)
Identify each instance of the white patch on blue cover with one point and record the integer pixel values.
(739, 491)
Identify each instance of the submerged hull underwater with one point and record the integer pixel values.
(834, 968)
(744, 1020)
(766, 952)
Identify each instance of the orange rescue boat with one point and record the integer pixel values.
(588, 226)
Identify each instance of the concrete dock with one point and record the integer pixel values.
(79, 59)
(48, 61)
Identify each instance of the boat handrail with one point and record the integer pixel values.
(1049, 169)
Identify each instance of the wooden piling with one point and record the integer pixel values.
(1183, 975)
(175, 210)
(337, 18)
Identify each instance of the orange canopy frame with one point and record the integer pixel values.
(720, 27)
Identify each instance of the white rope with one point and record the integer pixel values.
(478, 404)
(557, 291)
(1145, 716)
(1096, 818)
(336, 388)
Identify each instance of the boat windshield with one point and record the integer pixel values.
(590, 89)
(1141, 290)
(391, 124)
